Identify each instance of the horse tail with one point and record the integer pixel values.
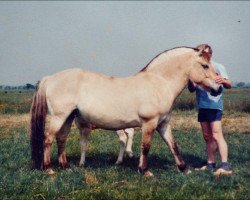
(38, 113)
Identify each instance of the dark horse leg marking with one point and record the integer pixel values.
(167, 136)
(147, 136)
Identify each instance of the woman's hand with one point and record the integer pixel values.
(219, 79)
(225, 82)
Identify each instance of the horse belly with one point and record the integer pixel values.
(109, 103)
(108, 116)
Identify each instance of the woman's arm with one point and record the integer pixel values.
(225, 82)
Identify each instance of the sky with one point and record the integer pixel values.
(117, 38)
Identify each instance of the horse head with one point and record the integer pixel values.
(202, 72)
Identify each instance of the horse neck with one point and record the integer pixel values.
(174, 71)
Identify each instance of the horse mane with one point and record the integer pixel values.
(145, 68)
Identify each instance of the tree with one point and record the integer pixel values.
(29, 86)
(247, 85)
(240, 84)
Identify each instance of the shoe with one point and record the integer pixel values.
(224, 169)
(208, 166)
(211, 166)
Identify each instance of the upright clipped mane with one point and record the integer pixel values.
(145, 68)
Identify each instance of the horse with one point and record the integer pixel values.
(96, 100)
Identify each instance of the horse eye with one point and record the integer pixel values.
(205, 66)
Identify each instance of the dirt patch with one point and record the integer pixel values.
(231, 122)
(184, 121)
(14, 121)
(90, 178)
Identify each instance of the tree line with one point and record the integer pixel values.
(29, 86)
(241, 84)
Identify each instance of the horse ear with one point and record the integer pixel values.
(205, 51)
(205, 55)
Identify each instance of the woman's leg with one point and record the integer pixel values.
(224, 168)
(210, 142)
(216, 128)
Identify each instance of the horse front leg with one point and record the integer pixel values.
(130, 133)
(123, 141)
(84, 134)
(147, 136)
(167, 136)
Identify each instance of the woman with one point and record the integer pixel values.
(209, 116)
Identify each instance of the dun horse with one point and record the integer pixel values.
(97, 101)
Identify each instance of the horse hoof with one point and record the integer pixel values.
(148, 174)
(185, 169)
(63, 166)
(203, 168)
(81, 164)
(118, 162)
(130, 154)
(182, 168)
(145, 172)
(50, 171)
(188, 171)
(69, 170)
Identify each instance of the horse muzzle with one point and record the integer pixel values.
(217, 92)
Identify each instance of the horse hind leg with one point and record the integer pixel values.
(55, 125)
(130, 133)
(61, 138)
(123, 141)
(84, 134)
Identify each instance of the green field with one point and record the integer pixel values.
(233, 99)
(101, 179)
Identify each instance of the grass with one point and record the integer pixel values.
(101, 179)
(15, 102)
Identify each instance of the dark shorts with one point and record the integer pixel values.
(209, 115)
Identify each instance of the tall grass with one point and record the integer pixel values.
(15, 102)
